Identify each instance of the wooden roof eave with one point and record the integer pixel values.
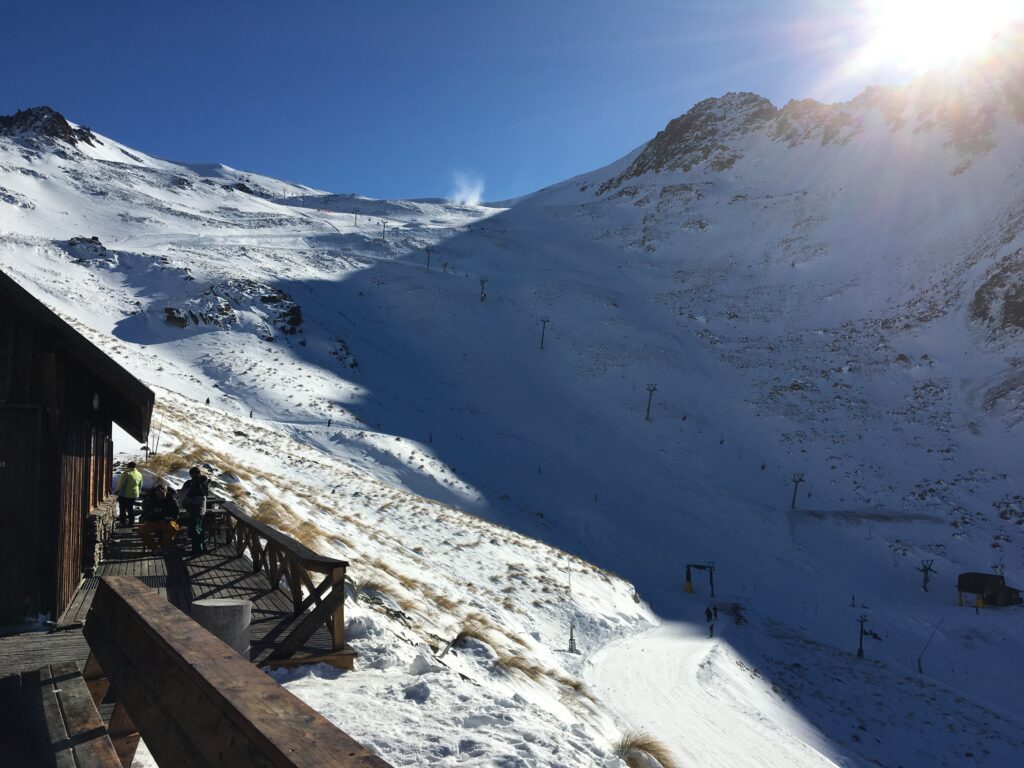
(127, 400)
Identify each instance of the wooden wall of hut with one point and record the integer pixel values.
(55, 466)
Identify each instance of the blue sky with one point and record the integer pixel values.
(392, 99)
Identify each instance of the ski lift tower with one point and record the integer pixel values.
(709, 567)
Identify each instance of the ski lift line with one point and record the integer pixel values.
(932, 635)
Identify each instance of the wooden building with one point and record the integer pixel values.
(988, 588)
(59, 395)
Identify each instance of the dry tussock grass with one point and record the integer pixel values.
(237, 492)
(509, 662)
(438, 599)
(373, 585)
(576, 686)
(163, 464)
(189, 455)
(277, 516)
(477, 627)
(575, 689)
(633, 742)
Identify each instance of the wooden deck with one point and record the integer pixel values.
(181, 579)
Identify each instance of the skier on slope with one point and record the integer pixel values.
(709, 616)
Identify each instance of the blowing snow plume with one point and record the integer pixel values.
(469, 190)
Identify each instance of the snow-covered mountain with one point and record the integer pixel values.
(830, 290)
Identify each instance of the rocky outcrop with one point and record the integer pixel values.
(701, 135)
(83, 248)
(809, 120)
(223, 305)
(999, 302)
(43, 122)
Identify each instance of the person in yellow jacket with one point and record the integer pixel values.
(129, 488)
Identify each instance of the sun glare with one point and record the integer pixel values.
(914, 35)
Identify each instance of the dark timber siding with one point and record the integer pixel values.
(21, 584)
(58, 398)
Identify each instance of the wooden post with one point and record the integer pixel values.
(123, 734)
(95, 680)
(272, 565)
(257, 551)
(295, 583)
(337, 577)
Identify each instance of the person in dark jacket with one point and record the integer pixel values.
(159, 515)
(193, 498)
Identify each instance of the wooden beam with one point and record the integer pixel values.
(257, 551)
(86, 734)
(315, 593)
(197, 702)
(308, 625)
(337, 623)
(123, 734)
(295, 584)
(95, 680)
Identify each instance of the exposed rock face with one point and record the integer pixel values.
(808, 120)
(702, 134)
(45, 122)
(999, 301)
(344, 355)
(86, 248)
(223, 304)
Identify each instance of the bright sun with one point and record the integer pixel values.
(914, 35)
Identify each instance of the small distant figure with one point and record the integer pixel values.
(207, 401)
(159, 515)
(193, 498)
(708, 615)
(328, 423)
(250, 414)
(129, 488)
(714, 611)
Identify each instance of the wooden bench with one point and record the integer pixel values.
(195, 702)
(49, 719)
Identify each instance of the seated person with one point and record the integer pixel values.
(159, 514)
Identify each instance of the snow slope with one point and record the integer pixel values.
(831, 290)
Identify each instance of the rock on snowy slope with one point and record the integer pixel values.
(42, 123)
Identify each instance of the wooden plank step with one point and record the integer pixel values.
(87, 736)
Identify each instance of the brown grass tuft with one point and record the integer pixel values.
(163, 464)
(478, 627)
(300, 529)
(509, 662)
(633, 742)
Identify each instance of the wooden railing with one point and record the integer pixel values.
(194, 701)
(316, 584)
